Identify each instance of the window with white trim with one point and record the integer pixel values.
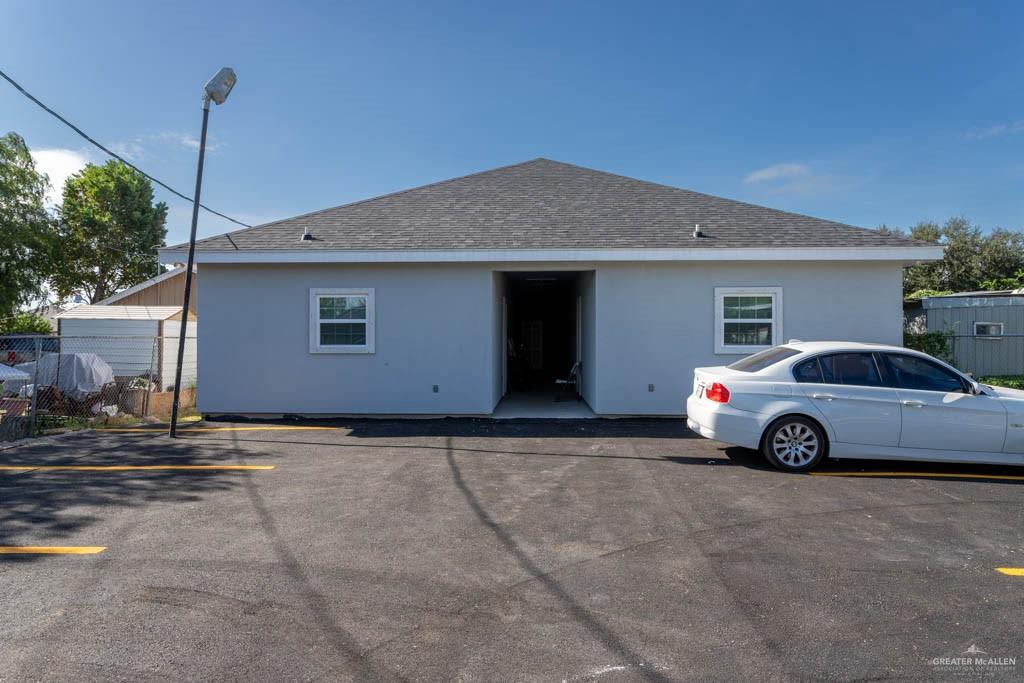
(994, 330)
(747, 319)
(341, 321)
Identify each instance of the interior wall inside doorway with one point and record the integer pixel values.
(541, 327)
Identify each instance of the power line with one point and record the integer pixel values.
(116, 156)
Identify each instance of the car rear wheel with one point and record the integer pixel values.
(794, 444)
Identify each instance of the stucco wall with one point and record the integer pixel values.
(437, 324)
(433, 326)
(585, 289)
(655, 322)
(497, 339)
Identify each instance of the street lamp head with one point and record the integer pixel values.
(219, 87)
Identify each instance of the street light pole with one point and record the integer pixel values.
(188, 272)
(217, 89)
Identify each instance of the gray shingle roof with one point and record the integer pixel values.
(544, 204)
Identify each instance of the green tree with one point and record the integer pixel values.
(25, 323)
(109, 231)
(1001, 260)
(971, 260)
(26, 230)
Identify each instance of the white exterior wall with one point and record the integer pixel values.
(655, 322)
(434, 325)
(644, 323)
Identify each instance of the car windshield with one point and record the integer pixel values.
(763, 359)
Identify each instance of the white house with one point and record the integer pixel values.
(448, 298)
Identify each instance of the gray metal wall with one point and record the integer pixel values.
(436, 324)
(979, 355)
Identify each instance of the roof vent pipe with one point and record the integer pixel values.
(306, 235)
(697, 231)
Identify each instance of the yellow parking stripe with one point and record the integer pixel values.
(269, 428)
(1011, 571)
(51, 549)
(922, 475)
(131, 468)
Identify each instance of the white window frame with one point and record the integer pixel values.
(775, 320)
(988, 336)
(314, 321)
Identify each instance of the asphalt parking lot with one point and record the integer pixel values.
(483, 551)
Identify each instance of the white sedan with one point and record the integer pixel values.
(804, 401)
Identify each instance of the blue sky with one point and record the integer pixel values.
(863, 112)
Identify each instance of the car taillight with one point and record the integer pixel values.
(717, 393)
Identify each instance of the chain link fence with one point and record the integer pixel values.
(49, 382)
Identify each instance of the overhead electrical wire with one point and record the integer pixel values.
(124, 161)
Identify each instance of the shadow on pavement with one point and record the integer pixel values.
(604, 635)
(606, 428)
(47, 507)
(892, 469)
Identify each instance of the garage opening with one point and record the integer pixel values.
(543, 340)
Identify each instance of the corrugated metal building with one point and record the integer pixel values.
(987, 329)
(131, 337)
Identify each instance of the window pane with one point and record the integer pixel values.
(342, 334)
(731, 305)
(343, 308)
(808, 371)
(764, 359)
(988, 329)
(856, 369)
(747, 307)
(747, 334)
(917, 373)
(762, 307)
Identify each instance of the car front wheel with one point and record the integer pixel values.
(794, 444)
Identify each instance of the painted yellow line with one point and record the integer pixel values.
(269, 428)
(51, 549)
(921, 475)
(1011, 571)
(131, 468)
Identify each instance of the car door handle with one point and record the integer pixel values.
(824, 397)
(914, 403)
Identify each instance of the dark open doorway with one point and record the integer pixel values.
(543, 330)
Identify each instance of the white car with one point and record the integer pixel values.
(803, 401)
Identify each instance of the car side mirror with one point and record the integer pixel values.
(976, 388)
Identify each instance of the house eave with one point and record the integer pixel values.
(904, 255)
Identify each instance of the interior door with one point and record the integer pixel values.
(847, 389)
(938, 411)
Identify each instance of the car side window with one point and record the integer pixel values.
(921, 374)
(808, 372)
(855, 369)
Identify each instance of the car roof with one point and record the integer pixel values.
(818, 346)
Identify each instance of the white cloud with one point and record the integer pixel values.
(994, 131)
(186, 140)
(777, 172)
(132, 150)
(58, 165)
